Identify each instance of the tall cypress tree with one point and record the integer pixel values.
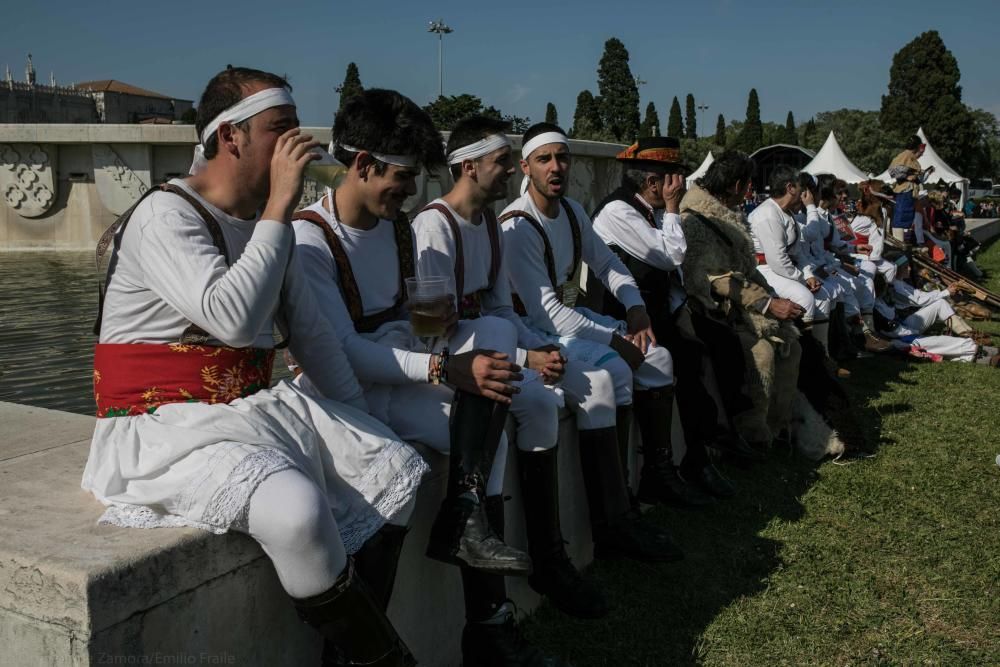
(791, 136)
(751, 137)
(619, 94)
(587, 118)
(651, 123)
(351, 86)
(675, 125)
(924, 91)
(551, 115)
(690, 118)
(809, 133)
(720, 131)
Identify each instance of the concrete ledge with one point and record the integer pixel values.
(75, 593)
(983, 229)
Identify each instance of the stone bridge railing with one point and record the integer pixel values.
(62, 185)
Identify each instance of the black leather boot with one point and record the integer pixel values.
(376, 562)
(355, 629)
(660, 481)
(554, 573)
(501, 644)
(710, 480)
(618, 530)
(461, 534)
(623, 424)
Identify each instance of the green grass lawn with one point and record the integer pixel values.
(889, 561)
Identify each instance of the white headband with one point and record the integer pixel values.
(484, 146)
(542, 139)
(408, 161)
(247, 107)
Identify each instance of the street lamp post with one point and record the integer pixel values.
(703, 108)
(441, 29)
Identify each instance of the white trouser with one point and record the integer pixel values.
(590, 393)
(871, 267)
(848, 294)
(291, 519)
(923, 319)
(657, 370)
(815, 304)
(419, 412)
(949, 347)
(864, 290)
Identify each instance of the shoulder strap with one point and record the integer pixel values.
(348, 283)
(550, 262)
(459, 246)
(493, 231)
(574, 227)
(115, 232)
(404, 251)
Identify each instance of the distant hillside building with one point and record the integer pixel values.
(105, 101)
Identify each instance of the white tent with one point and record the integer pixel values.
(831, 160)
(700, 171)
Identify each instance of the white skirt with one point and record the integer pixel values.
(197, 464)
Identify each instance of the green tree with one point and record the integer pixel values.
(651, 123)
(690, 118)
(619, 94)
(720, 131)
(587, 118)
(751, 136)
(791, 136)
(446, 111)
(675, 124)
(551, 115)
(809, 134)
(351, 86)
(924, 92)
(518, 124)
(190, 116)
(859, 134)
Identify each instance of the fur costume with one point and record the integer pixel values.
(722, 282)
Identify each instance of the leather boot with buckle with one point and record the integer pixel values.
(355, 628)
(461, 534)
(660, 481)
(618, 530)
(554, 574)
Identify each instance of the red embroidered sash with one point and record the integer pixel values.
(136, 378)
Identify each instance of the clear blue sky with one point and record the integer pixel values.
(801, 56)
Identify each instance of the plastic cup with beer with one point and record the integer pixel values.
(327, 170)
(429, 304)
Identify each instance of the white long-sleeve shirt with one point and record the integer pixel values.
(865, 226)
(530, 279)
(374, 261)
(436, 257)
(906, 295)
(169, 274)
(661, 246)
(776, 236)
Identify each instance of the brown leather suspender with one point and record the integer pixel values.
(348, 283)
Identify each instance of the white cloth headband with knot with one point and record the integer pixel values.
(478, 149)
(542, 139)
(408, 161)
(247, 107)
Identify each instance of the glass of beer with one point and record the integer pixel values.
(327, 170)
(430, 305)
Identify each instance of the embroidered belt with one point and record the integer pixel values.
(859, 239)
(137, 378)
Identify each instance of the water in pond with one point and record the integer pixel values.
(46, 320)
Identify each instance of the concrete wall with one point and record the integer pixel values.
(75, 594)
(62, 185)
